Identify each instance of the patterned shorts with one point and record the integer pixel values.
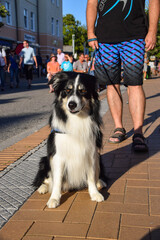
(110, 57)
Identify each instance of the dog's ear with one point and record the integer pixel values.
(57, 80)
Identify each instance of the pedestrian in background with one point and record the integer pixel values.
(52, 68)
(3, 67)
(27, 55)
(60, 56)
(80, 65)
(13, 68)
(86, 58)
(121, 34)
(67, 64)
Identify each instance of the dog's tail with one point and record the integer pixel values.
(44, 168)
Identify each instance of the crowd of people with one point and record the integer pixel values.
(27, 60)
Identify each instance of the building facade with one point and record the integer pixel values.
(38, 21)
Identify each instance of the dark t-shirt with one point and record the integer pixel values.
(121, 20)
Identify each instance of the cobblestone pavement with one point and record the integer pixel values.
(131, 209)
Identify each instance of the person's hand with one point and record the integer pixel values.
(150, 41)
(93, 44)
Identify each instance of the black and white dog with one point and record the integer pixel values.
(72, 160)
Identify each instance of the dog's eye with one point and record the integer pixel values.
(83, 91)
(68, 90)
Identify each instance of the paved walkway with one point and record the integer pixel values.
(131, 210)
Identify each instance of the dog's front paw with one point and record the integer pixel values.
(53, 203)
(98, 197)
(43, 189)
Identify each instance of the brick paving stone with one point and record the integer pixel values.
(118, 186)
(59, 229)
(154, 191)
(37, 215)
(155, 205)
(122, 208)
(134, 233)
(34, 205)
(104, 225)
(154, 174)
(37, 238)
(136, 195)
(140, 220)
(81, 212)
(15, 230)
(143, 183)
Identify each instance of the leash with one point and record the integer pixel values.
(93, 55)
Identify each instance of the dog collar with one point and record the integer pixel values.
(56, 130)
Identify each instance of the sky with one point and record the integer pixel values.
(76, 8)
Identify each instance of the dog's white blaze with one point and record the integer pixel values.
(74, 98)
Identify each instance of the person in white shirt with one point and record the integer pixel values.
(28, 56)
(60, 56)
(3, 66)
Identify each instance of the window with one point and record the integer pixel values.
(57, 28)
(57, 2)
(8, 18)
(32, 21)
(26, 18)
(52, 26)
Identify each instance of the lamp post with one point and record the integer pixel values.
(73, 44)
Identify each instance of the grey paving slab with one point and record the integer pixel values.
(16, 180)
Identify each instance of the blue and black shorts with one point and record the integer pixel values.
(109, 57)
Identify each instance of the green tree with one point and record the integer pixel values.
(73, 26)
(156, 50)
(3, 13)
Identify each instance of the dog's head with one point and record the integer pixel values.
(75, 91)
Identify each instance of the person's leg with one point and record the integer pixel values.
(17, 77)
(2, 75)
(133, 57)
(30, 76)
(137, 107)
(116, 107)
(11, 77)
(108, 68)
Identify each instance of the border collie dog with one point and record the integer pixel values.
(72, 160)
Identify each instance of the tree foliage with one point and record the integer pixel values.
(73, 26)
(3, 13)
(156, 50)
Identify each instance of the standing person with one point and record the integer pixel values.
(60, 56)
(27, 54)
(86, 58)
(67, 64)
(13, 68)
(122, 35)
(3, 66)
(52, 68)
(145, 66)
(80, 65)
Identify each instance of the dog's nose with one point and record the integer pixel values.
(72, 105)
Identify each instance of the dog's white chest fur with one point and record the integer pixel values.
(76, 149)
